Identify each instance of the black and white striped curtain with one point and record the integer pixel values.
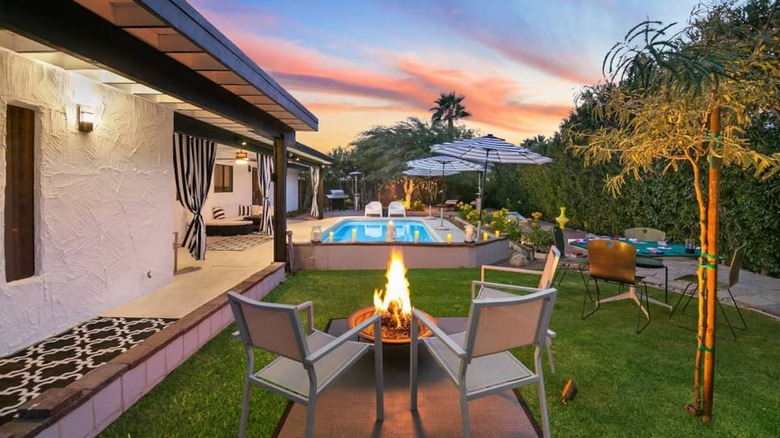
(266, 169)
(315, 182)
(193, 165)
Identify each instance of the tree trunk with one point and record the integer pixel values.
(713, 202)
(701, 326)
(408, 191)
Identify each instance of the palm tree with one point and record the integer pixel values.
(448, 107)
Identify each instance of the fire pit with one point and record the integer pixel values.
(393, 305)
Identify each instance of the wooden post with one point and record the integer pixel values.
(321, 193)
(713, 203)
(281, 144)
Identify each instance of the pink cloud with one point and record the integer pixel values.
(406, 86)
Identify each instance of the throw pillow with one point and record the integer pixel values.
(219, 213)
(244, 210)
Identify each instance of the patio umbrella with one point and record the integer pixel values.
(489, 149)
(428, 173)
(443, 166)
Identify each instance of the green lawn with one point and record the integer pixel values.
(629, 384)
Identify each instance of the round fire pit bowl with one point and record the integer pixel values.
(368, 334)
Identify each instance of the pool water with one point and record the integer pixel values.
(375, 230)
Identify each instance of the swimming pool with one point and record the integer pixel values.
(375, 230)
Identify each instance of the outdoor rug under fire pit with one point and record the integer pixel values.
(347, 408)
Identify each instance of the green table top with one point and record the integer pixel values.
(649, 249)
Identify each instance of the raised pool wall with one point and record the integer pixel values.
(336, 256)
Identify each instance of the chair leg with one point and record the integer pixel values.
(728, 322)
(588, 295)
(464, 411)
(639, 310)
(560, 274)
(689, 300)
(543, 407)
(413, 345)
(379, 381)
(685, 292)
(310, 409)
(548, 342)
(739, 312)
(666, 284)
(245, 409)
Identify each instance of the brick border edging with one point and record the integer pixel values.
(90, 404)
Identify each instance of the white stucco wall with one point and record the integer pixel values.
(103, 202)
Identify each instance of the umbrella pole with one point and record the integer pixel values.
(479, 197)
(441, 208)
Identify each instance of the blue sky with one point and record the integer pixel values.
(357, 64)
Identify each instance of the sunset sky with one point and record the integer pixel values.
(356, 64)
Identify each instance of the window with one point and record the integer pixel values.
(19, 194)
(223, 178)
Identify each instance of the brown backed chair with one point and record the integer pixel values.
(614, 262)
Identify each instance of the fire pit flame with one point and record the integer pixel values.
(393, 305)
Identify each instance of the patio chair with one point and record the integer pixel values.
(373, 208)
(308, 362)
(615, 262)
(478, 360)
(567, 262)
(693, 280)
(396, 208)
(494, 290)
(651, 235)
(645, 234)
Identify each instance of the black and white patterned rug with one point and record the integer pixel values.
(64, 358)
(238, 243)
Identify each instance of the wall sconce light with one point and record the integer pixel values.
(86, 118)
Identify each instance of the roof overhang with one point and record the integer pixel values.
(162, 50)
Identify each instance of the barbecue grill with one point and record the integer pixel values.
(336, 198)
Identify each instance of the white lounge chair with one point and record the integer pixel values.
(396, 209)
(374, 208)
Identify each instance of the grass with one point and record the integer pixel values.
(629, 384)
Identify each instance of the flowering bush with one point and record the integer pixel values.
(500, 221)
(537, 236)
(418, 206)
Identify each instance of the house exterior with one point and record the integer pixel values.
(87, 190)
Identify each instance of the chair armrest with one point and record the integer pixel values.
(474, 283)
(309, 306)
(507, 269)
(438, 332)
(332, 345)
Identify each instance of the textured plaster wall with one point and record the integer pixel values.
(292, 189)
(103, 201)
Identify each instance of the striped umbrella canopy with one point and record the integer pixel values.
(443, 166)
(489, 149)
(427, 173)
